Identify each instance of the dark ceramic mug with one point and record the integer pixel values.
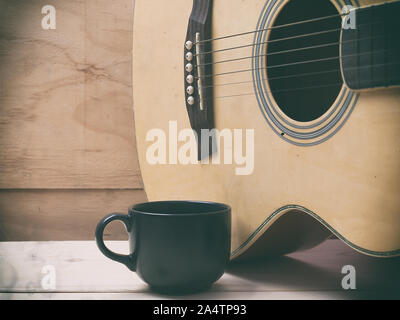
(174, 245)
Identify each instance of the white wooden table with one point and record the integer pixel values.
(82, 272)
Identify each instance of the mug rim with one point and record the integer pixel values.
(226, 208)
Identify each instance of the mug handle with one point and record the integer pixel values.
(128, 260)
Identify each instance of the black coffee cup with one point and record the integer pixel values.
(176, 246)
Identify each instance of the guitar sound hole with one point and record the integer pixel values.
(304, 72)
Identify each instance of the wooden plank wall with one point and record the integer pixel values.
(67, 145)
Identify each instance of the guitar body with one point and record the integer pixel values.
(346, 182)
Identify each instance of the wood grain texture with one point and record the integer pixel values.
(66, 118)
(62, 214)
(67, 144)
(82, 272)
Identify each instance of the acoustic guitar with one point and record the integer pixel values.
(301, 103)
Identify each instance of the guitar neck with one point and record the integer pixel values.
(370, 51)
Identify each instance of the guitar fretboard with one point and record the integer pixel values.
(370, 51)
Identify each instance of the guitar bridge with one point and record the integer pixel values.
(198, 76)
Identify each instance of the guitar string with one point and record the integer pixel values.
(284, 25)
(302, 74)
(291, 64)
(294, 89)
(275, 27)
(311, 87)
(282, 39)
(269, 54)
(281, 90)
(274, 78)
(270, 41)
(290, 50)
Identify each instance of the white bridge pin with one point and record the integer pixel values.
(189, 67)
(189, 79)
(190, 100)
(189, 56)
(190, 90)
(189, 45)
